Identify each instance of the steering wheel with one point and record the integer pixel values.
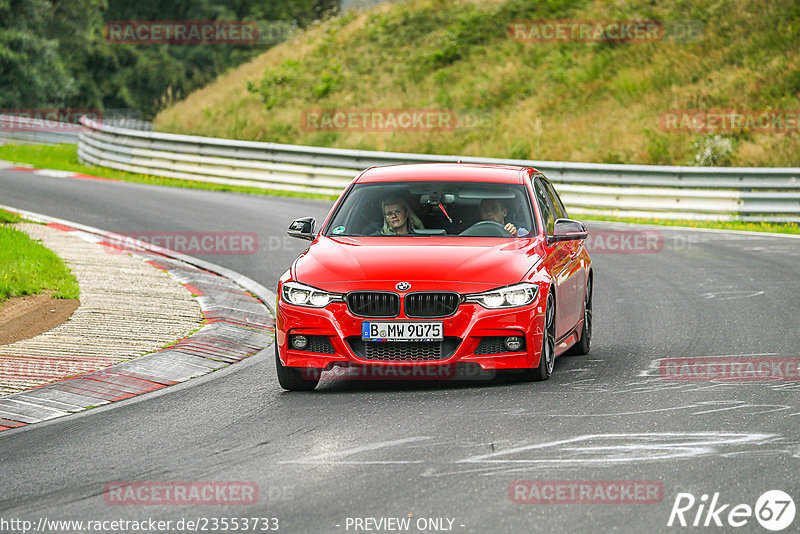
(486, 229)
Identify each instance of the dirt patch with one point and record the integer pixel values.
(28, 316)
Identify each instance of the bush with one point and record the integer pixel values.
(712, 150)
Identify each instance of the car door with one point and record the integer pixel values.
(558, 256)
(576, 277)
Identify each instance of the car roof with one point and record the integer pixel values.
(468, 172)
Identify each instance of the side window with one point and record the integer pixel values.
(543, 200)
(561, 211)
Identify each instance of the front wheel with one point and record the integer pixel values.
(546, 362)
(291, 378)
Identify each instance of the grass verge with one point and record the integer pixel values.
(28, 267)
(65, 158)
(7, 217)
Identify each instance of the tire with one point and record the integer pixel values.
(291, 378)
(546, 362)
(582, 347)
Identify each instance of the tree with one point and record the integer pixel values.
(53, 53)
(32, 73)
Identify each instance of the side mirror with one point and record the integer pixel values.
(567, 230)
(303, 228)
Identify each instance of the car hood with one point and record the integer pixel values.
(464, 264)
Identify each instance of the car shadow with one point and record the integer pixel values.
(471, 378)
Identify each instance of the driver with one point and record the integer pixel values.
(493, 209)
(398, 219)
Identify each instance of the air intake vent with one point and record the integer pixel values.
(494, 345)
(404, 351)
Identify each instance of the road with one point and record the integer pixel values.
(356, 450)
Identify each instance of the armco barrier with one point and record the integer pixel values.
(47, 132)
(37, 131)
(703, 193)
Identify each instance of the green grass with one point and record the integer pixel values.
(6, 217)
(28, 267)
(65, 158)
(788, 228)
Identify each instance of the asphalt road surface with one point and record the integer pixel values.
(353, 456)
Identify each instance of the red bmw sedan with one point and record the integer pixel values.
(435, 265)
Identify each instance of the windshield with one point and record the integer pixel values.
(466, 209)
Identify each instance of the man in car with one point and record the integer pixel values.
(493, 209)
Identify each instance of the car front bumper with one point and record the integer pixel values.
(337, 335)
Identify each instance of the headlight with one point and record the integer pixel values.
(506, 297)
(303, 295)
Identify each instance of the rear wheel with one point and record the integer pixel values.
(291, 378)
(547, 360)
(583, 346)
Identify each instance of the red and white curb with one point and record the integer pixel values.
(238, 324)
(52, 173)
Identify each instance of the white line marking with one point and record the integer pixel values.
(774, 408)
(632, 448)
(54, 173)
(731, 295)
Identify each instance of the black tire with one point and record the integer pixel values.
(582, 347)
(546, 362)
(291, 378)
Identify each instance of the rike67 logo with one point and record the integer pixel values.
(774, 510)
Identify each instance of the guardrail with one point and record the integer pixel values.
(38, 131)
(49, 132)
(703, 193)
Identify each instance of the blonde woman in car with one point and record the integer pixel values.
(398, 218)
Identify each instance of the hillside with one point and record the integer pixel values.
(570, 101)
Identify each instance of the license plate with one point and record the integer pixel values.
(401, 331)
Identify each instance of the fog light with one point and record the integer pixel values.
(299, 342)
(513, 343)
